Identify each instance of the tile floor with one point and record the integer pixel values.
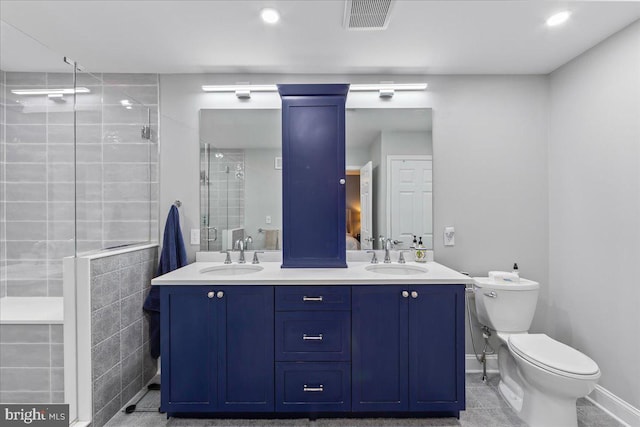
(485, 408)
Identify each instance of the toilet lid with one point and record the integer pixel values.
(552, 355)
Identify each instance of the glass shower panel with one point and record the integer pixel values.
(117, 179)
(36, 213)
(36, 202)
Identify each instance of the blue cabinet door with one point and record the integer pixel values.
(379, 349)
(313, 165)
(436, 348)
(188, 342)
(246, 357)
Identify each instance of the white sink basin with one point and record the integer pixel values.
(231, 269)
(395, 269)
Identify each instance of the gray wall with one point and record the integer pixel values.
(120, 360)
(594, 209)
(489, 146)
(31, 364)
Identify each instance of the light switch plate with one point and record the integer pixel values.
(449, 236)
(267, 219)
(195, 236)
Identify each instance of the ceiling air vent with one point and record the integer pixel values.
(367, 14)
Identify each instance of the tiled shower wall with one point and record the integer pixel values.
(31, 364)
(225, 195)
(3, 226)
(120, 359)
(117, 173)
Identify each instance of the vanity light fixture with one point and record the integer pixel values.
(269, 16)
(233, 88)
(387, 90)
(558, 18)
(387, 86)
(66, 91)
(242, 91)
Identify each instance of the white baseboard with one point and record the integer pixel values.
(614, 406)
(472, 364)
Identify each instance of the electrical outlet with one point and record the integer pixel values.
(449, 236)
(267, 220)
(195, 236)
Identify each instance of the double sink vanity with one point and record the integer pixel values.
(258, 338)
(314, 329)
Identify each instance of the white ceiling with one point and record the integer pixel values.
(247, 128)
(430, 37)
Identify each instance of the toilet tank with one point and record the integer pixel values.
(506, 307)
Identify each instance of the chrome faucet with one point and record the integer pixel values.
(388, 244)
(247, 240)
(240, 246)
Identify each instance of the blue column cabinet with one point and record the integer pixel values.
(217, 349)
(408, 349)
(313, 174)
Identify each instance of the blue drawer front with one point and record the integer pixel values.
(313, 336)
(290, 298)
(318, 386)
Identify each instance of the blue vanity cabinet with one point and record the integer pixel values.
(408, 348)
(217, 347)
(313, 175)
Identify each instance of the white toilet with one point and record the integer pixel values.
(540, 377)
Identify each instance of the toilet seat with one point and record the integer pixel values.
(553, 356)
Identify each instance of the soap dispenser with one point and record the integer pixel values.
(421, 254)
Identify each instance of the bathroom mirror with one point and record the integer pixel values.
(388, 166)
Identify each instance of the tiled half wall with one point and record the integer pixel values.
(120, 361)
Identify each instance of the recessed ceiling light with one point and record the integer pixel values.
(558, 18)
(270, 16)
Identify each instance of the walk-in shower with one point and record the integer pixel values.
(78, 175)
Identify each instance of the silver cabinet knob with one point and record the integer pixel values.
(211, 294)
(405, 294)
(414, 294)
(342, 181)
(220, 294)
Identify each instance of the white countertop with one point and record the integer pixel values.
(273, 274)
